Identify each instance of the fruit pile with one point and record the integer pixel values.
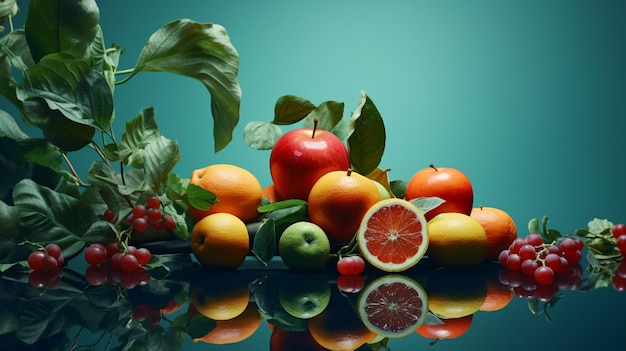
(331, 200)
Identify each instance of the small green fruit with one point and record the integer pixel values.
(304, 295)
(384, 193)
(304, 246)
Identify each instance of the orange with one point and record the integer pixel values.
(449, 329)
(236, 329)
(455, 293)
(498, 294)
(221, 241)
(338, 201)
(449, 184)
(338, 327)
(237, 190)
(224, 300)
(287, 340)
(499, 227)
(270, 193)
(456, 239)
(393, 305)
(393, 235)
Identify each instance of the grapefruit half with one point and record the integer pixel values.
(393, 306)
(393, 235)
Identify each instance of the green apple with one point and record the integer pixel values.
(304, 295)
(384, 193)
(304, 246)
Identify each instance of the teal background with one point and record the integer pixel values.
(525, 97)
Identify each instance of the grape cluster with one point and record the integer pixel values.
(46, 266)
(145, 216)
(110, 264)
(619, 232)
(525, 287)
(541, 261)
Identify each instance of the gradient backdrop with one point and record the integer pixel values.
(526, 97)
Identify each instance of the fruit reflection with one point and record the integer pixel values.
(393, 305)
(284, 340)
(498, 294)
(339, 327)
(304, 295)
(448, 329)
(456, 293)
(224, 297)
(234, 330)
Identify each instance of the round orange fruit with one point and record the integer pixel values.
(236, 329)
(237, 190)
(220, 241)
(449, 184)
(449, 329)
(338, 201)
(222, 301)
(499, 227)
(393, 235)
(456, 239)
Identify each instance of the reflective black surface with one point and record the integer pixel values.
(583, 309)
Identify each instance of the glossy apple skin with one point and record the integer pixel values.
(449, 184)
(299, 158)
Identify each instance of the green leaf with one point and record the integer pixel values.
(14, 53)
(138, 132)
(290, 109)
(99, 232)
(279, 205)
(9, 128)
(366, 136)
(261, 135)
(9, 220)
(599, 226)
(202, 51)
(426, 204)
(160, 157)
(328, 115)
(264, 244)
(533, 226)
(48, 216)
(398, 188)
(61, 26)
(199, 197)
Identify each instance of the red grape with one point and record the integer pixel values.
(544, 275)
(621, 244)
(140, 224)
(618, 229)
(143, 255)
(534, 239)
(35, 260)
(129, 263)
(350, 265)
(153, 202)
(139, 211)
(95, 254)
(53, 250)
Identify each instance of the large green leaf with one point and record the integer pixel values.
(9, 128)
(202, 51)
(366, 136)
(49, 216)
(160, 157)
(71, 87)
(14, 53)
(61, 26)
(138, 132)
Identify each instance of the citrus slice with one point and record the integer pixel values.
(393, 235)
(393, 306)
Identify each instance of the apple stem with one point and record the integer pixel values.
(433, 167)
(349, 172)
(314, 128)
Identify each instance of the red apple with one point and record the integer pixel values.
(449, 184)
(301, 156)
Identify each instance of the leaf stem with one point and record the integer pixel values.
(125, 71)
(73, 170)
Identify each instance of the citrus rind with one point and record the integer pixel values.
(411, 215)
(384, 296)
